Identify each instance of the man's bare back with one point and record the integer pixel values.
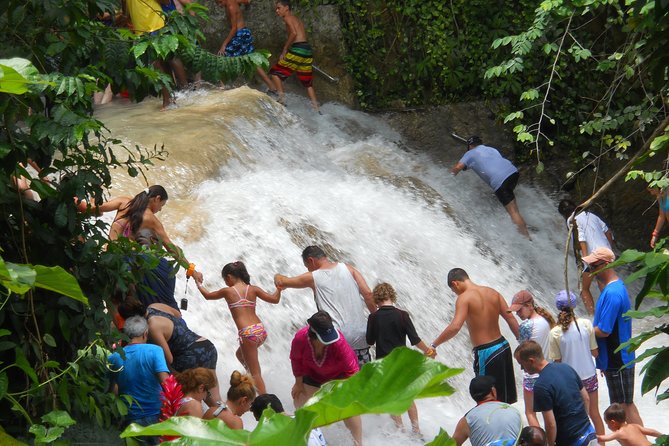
(483, 312)
(295, 26)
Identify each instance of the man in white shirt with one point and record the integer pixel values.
(592, 233)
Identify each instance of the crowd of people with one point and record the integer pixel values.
(557, 354)
(149, 16)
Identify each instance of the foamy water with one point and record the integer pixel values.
(251, 180)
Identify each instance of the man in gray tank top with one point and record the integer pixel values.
(491, 422)
(340, 290)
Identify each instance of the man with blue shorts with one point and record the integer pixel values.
(497, 172)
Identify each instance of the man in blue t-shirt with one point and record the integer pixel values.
(560, 397)
(139, 375)
(611, 330)
(497, 172)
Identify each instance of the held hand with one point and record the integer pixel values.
(283, 55)
(431, 353)
(278, 281)
(199, 278)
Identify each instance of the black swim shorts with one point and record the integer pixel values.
(505, 192)
(621, 385)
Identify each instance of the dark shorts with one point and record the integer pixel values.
(200, 354)
(621, 385)
(363, 356)
(505, 192)
(495, 359)
(311, 382)
(241, 43)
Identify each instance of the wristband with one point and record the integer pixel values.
(433, 346)
(221, 407)
(190, 270)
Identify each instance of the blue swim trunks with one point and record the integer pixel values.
(241, 43)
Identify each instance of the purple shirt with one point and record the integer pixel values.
(338, 362)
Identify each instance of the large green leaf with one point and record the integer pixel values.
(405, 374)
(385, 386)
(56, 279)
(442, 439)
(16, 278)
(17, 74)
(657, 370)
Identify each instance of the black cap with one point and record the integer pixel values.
(481, 386)
(321, 325)
(474, 140)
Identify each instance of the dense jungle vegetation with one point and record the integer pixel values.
(587, 76)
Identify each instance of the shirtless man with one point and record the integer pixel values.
(297, 55)
(481, 307)
(239, 40)
(337, 288)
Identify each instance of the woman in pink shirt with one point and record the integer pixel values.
(319, 353)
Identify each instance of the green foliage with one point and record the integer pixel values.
(386, 386)
(53, 329)
(653, 268)
(416, 52)
(593, 77)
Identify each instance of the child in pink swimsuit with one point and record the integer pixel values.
(241, 298)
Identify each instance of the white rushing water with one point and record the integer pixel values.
(251, 180)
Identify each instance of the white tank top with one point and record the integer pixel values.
(337, 292)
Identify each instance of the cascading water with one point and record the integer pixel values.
(251, 180)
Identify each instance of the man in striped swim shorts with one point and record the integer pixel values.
(296, 57)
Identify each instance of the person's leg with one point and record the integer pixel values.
(516, 218)
(312, 97)
(531, 415)
(397, 419)
(167, 98)
(249, 351)
(308, 393)
(586, 295)
(278, 86)
(265, 78)
(354, 424)
(632, 414)
(593, 411)
(179, 70)
(413, 417)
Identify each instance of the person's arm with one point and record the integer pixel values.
(461, 309)
(461, 433)
(232, 11)
(658, 224)
(291, 30)
(584, 247)
(610, 437)
(508, 317)
(365, 292)
(157, 337)
(305, 280)
(601, 334)
(609, 237)
(550, 426)
(273, 298)
(457, 168)
(211, 295)
(648, 431)
(298, 388)
(162, 376)
(112, 205)
(429, 351)
(370, 335)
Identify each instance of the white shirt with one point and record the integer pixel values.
(591, 230)
(574, 347)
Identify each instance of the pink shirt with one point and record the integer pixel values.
(339, 360)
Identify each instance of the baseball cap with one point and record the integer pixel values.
(519, 299)
(481, 386)
(600, 255)
(321, 324)
(564, 300)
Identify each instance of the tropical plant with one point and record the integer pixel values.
(385, 386)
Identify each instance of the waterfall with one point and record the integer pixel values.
(252, 180)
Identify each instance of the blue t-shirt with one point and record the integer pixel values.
(612, 304)
(137, 376)
(558, 388)
(489, 165)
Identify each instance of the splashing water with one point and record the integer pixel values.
(251, 180)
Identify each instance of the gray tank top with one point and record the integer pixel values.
(493, 421)
(337, 292)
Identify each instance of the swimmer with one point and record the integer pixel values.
(241, 298)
